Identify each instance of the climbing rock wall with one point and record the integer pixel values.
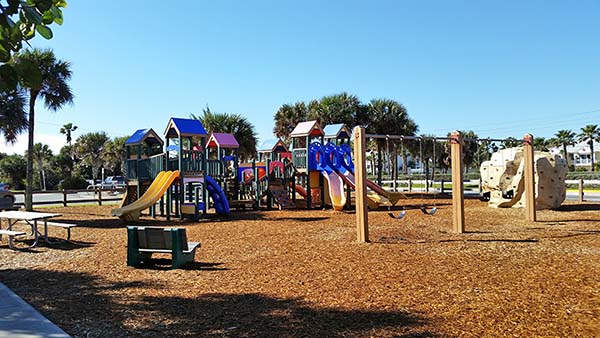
(502, 176)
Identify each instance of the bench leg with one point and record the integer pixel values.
(10, 242)
(134, 256)
(180, 259)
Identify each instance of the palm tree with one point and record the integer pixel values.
(88, 148)
(287, 117)
(388, 117)
(234, 124)
(338, 108)
(510, 142)
(13, 118)
(113, 155)
(540, 143)
(53, 87)
(67, 129)
(565, 138)
(41, 155)
(589, 134)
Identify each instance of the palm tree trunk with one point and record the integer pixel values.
(379, 165)
(592, 153)
(29, 176)
(566, 156)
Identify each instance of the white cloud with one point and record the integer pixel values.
(55, 142)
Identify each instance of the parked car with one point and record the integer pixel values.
(111, 182)
(7, 198)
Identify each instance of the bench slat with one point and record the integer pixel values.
(11, 233)
(61, 225)
(191, 247)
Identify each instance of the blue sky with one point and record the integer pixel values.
(499, 68)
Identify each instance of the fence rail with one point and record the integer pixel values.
(65, 197)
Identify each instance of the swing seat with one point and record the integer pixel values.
(400, 215)
(508, 194)
(428, 212)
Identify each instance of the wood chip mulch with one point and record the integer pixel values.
(301, 273)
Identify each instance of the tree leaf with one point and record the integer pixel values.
(8, 77)
(58, 16)
(47, 18)
(44, 31)
(4, 53)
(32, 15)
(60, 3)
(43, 5)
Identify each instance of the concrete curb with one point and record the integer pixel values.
(20, 320)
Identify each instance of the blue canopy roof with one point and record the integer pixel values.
(184, 127)
(144, 135)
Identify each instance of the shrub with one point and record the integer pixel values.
(73, 182)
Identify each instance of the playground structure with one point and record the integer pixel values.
(326, 170)
(196, 166)
(456, 158)
(202, 166)
(502, 178)
(178, 175)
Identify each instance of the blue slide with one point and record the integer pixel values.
(217, 195)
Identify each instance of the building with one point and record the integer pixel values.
(579, 155)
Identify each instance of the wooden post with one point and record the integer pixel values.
(581, 190)
(458, 199)
(100, 196)
(64, 198)
(529, 172)
(360, 168)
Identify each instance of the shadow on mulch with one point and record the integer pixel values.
(87, 305)
(577, 233)
(165, 264)
(304, 219)
(579, 207)
(58, 244)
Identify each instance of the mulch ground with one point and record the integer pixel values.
(302, 274)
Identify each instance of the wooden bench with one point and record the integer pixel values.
(142, 242)
(11, 234)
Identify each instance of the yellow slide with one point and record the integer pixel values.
(156, 190)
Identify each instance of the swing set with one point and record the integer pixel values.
(456, 158)
(424, 208)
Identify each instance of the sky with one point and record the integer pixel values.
(499, 68)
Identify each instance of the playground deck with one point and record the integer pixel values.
(301, 273)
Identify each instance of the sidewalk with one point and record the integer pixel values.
(19, 320)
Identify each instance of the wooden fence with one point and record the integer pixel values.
(63, 196)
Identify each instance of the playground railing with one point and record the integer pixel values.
(213, 168)
(299, 158)
(131, 169)
(157, 164)
(192, 161)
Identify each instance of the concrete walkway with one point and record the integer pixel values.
(20, 320)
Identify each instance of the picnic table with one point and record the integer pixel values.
(29, 217)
